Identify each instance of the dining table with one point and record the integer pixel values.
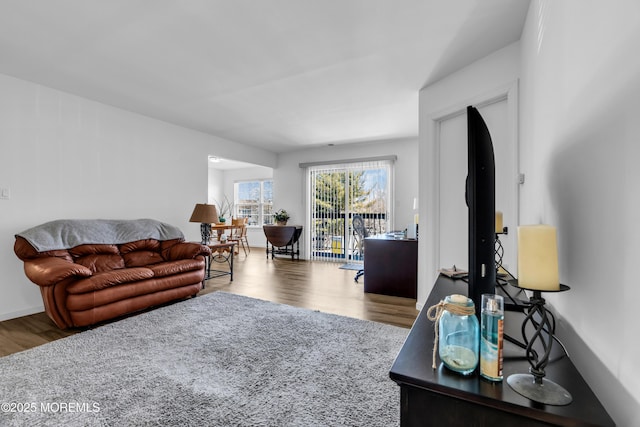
(220, 229)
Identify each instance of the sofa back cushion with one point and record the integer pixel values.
(141, 253)
(98, 258)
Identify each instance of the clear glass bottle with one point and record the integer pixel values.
(491, 336)
(459, 336)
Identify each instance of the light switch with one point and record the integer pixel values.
(5, 193)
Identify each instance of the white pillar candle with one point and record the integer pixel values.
(499, 225)
(538, 257)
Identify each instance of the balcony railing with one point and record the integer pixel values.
(330, 230)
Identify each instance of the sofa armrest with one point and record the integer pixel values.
(186, 250)
(49, 271)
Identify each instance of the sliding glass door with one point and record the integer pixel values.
(341, 192)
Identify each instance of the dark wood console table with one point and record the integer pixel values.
(443, 398)
(284, 239)
(391, 266)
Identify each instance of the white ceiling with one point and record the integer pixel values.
(278, 74)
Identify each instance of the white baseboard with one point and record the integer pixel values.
(20, 313)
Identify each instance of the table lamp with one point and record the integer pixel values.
(206, 215)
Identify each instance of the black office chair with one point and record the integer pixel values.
(358, 227)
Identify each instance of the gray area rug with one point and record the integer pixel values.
(219, 359)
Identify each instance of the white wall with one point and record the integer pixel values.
(63, 156)
(580, 103)
(216, 191)
(289, 179)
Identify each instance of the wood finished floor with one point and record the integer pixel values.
(314, 285)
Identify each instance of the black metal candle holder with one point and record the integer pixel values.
(499, 250)
(534, 385)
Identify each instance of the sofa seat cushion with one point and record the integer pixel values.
(108, 279)
(101, 312)
(128, 291)
(176, 267)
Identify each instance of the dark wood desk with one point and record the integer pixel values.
(284, 239)
(441, 397)
(391, 266)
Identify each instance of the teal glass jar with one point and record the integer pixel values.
(459, 335)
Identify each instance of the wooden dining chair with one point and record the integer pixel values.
(239, 234)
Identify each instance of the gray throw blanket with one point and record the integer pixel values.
(69, 233)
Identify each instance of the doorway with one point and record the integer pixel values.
(452, 212)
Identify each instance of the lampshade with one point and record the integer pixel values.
(204, 213)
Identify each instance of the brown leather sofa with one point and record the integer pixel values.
(89, 283)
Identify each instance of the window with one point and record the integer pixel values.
(254, 200)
